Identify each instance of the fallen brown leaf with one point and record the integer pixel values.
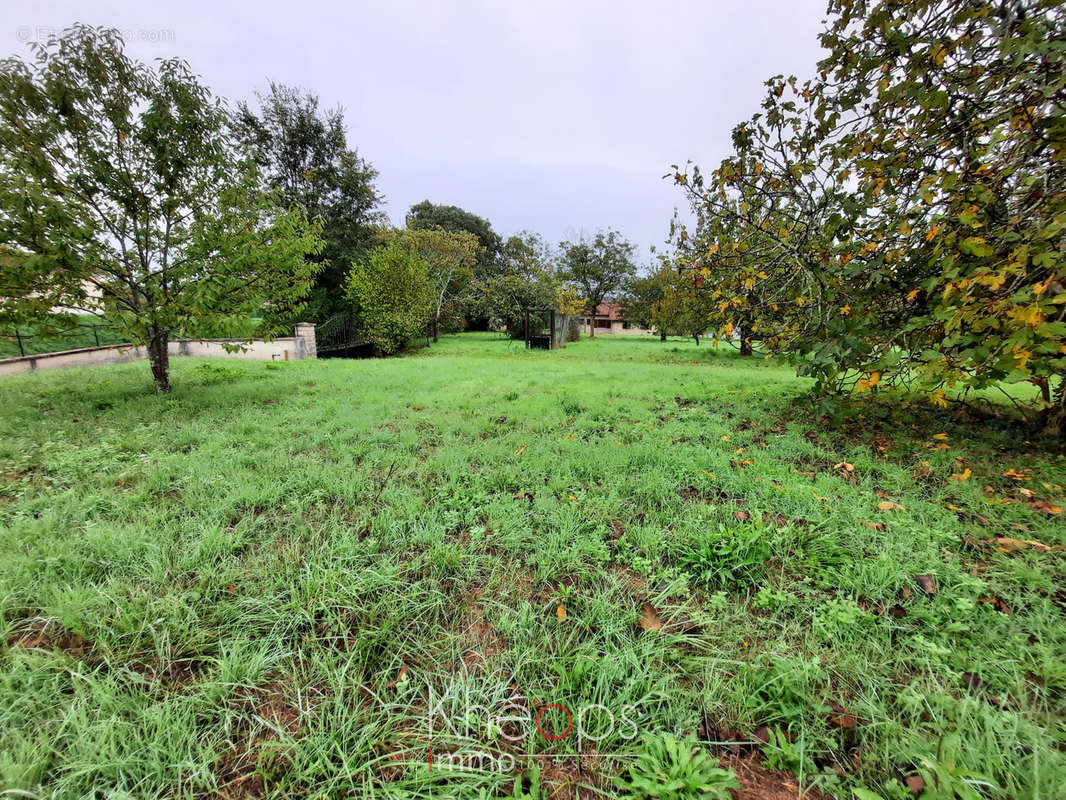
(560, 612)
(1006, 544)
(649, 618)
(888, 505)
(997, 603)
(396, 682)
(741, 516)
(926, 583)
(1045, 507)
(877, 526)
(840, 718)
(915, 783)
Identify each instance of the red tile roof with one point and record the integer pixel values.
(610, 309)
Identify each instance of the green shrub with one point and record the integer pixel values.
(673, 769)
(391, 294)
(727, 557)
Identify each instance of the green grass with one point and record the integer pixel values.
(264, 584)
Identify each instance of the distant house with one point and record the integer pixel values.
(608, 319)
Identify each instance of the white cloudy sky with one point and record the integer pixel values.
(554, 116)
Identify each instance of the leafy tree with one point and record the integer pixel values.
(732, 264)
(392, 295)
(909, 201)
(121, 183)
(525, 278)
(683, 309)
(450, 258)
(303, 154)
(640, 296)
(599, 267)
(457, 220)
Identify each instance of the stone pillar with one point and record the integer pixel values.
(305, 340)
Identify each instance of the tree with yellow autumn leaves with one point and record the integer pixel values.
(900, 218)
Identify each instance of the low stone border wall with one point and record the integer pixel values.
(286, 348)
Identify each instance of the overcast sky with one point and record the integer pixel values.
(558, 117)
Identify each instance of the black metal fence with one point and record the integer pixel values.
(17, 340)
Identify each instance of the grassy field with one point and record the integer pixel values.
(293, 580)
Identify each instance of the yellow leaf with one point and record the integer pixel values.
(1028, 315)
(560, 612)
(940, 437)
(912, 294)
(962, 476)
(520, 450)
(865, 384)
(933, 231)
(937, 398)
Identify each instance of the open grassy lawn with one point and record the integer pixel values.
(292, 580)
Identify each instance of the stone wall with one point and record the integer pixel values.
(288, 348)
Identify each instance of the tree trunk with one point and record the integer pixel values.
(159, 358)
(696, 336)
(662, 336)
(436, 328)
(745, 341)
(1055, 415)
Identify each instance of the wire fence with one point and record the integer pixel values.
(19, 340)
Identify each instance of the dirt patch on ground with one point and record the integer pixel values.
(173, 675)
(43, 635)
(759, 783)
(714, 497)
(562, 779)
(272, 704)
(480, 638)
(272, 711)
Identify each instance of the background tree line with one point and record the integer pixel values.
(130, 193)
